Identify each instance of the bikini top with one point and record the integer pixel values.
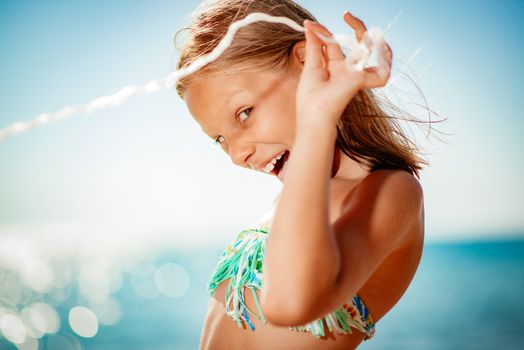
(242, 262)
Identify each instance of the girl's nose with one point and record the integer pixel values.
(241, 154)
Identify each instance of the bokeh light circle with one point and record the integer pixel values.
(12, 328)
(143, 281)
(83, 321)
(28, 344)
(44, 318)
(60, 342)
(172, 280)
(108, 313)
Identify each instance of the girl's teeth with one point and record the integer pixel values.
(269, 166)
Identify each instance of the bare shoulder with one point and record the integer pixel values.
(381, 220)
(394, 180)
(404, 195)
(389, 200)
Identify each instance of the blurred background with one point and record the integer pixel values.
(111, 223)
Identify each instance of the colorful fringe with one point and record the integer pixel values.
(242, 262)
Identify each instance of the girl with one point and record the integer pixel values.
(346, 236)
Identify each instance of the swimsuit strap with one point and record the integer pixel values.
(242, 263)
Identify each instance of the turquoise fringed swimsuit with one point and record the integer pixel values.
(242, 262)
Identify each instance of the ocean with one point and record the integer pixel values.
(464, 296)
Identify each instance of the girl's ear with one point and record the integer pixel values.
(299, 51)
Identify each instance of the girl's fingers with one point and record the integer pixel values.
(313, 48)
(358, 26)
(333, 50)
(318, 36)
(375, 77)
(378, 76)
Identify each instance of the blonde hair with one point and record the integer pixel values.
(366, 132)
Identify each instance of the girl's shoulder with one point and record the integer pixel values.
(397, 196)
(392, 182)
(385, 185)
(395, 174)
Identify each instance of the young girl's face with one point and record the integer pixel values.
(252, 115)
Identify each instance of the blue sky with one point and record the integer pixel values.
(145, 166)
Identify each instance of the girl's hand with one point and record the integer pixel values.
(328, 82)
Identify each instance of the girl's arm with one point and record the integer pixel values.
(311, 267)
(302, 259)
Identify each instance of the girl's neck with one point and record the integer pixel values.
(345, 168)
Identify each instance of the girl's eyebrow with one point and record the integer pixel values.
(227, 102)
(227, 106)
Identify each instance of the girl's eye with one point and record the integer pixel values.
(244, 111)
(220, 139)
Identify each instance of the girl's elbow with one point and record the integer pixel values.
(287, 311)
(284, 316)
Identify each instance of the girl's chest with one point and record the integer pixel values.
(221, 332)
(217, 321)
